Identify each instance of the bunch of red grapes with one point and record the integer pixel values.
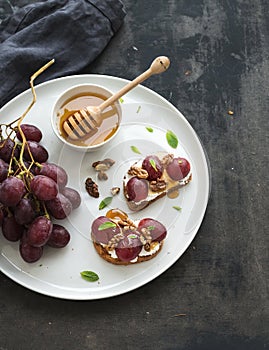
(33, 191)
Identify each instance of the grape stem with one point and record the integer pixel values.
(10, 163)
(10, 128)
(21, 118)
(46, 214)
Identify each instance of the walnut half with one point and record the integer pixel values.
(91, 187)
(138, 172)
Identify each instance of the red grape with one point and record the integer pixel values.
(157, 230)
(12, 231)
(44, 188)
(3, 170)
(60, 207)
(39, 153)
(178, 168)
(6, 149)
(12, 189)
(137, 189)
(39, 231)
(29, 253)
(153, 166)
(129, 247)
(103, 235)
(31, 133)
(59, 237)
(55, 172)
(73, 196)
(24, 212)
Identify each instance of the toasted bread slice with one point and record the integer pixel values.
(169, 177)
(121, 241)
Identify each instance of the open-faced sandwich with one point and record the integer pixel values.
(153, 177)
(121, 241)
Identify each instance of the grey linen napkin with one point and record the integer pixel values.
(73, 32)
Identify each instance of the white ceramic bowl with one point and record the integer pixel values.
(68, 95)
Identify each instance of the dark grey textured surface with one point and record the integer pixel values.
(216, 295)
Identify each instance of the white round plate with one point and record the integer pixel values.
(57, 274)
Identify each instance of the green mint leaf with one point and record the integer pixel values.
(150, 228)
(105, 202)
(135, 150)
(149, 129)
(153, 164)
(177, 208)
(138, 109)
(171, 139)
(89, 276)
(132, 236)
(105, 225)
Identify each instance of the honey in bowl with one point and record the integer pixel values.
(105, 131)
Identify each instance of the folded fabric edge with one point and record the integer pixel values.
(18, 78)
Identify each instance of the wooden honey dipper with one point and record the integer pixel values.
(87, 120)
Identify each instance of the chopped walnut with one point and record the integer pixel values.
(167, 159)
(102, 165)
(102, 176)
(126, 223)
(138, 172)
(145, 237)
(146, 233)
(91, 187)
(114, 241)
(115, 190)
(143, 240)
(158, 185)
